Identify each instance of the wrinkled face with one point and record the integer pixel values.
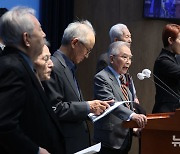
(82, 50)
(36, 39)
(175, 45)
(126, 37)
(43, 64)
(122, 61)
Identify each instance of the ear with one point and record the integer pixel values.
(74, 42)
(26, 39)
(170, 40)
(116, 39)
(111, 59)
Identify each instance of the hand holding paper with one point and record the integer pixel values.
(94, 117)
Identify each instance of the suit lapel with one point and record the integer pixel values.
(68, 75)
(40, 90)
(115, 84)
(117, 88)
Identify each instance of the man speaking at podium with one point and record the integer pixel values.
(110, 83)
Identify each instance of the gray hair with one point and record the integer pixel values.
(14, 23)
(77, 29)
(114, 47)
(116, 31)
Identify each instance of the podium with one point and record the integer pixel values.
(161, 134)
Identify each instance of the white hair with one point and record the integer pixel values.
(14, 23)
(79, 29)
(116, 31)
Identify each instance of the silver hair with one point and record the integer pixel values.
(77, 29)
(116, 31)
(114, 47)
(14, 23)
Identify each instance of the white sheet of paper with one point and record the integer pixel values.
(94, 118)
(93, 149)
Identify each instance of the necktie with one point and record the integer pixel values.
(124, 90)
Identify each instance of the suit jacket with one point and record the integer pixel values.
(69, 106)
(167, 70)
(27, 120)
(1, 51)
(109, 130)
(102, 62)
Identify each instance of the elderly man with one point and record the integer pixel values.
(109, 84)
(63, 89)
(120, 32)
(43, 64)
(28, 124)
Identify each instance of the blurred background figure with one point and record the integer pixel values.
(167, 71)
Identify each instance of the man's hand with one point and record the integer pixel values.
(43, 151)
(97, 107)
(140, 119)
(136, 100)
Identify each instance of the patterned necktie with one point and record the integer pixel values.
(124, 91)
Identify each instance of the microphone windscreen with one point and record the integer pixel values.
(147, 73)
(140, 76)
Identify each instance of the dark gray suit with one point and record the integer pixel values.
(109, 130)
(71, 110)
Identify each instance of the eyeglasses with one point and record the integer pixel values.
(125, 57)
(46, 58)
(89, 50)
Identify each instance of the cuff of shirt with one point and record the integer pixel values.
(88, 107)
(130, 116)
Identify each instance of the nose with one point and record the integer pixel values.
(50, 63)
(43, 34)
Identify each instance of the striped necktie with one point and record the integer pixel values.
(124, 90)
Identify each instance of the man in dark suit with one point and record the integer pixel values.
(167, 71)
(63, 89)
(28, 124)
(109, 84)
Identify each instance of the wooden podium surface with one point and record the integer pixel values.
(161, 135)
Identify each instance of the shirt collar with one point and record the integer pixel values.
(68, 62)
(2, 46)
(117, 75)
(27, 59)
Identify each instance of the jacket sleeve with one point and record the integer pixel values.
(61, 98)
(103, 90)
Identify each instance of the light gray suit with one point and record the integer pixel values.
(109, 130)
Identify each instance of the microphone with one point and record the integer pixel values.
(142, 76)
(146, 73)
